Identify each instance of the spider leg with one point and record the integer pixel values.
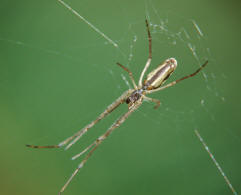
(81, 132)
(130, 74)
(178, 80)
(150, 54)
(156, 101)
(100, 140)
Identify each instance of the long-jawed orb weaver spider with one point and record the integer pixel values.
(132, 97)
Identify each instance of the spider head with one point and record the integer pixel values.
(133, 97)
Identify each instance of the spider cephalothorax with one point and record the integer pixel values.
(153, 81)
(134, 96)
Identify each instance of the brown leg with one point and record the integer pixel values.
(149, 56)
(78, 135)
(156, 101)
(130, 74)
(178, 80)
(99, 141)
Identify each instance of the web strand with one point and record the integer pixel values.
(87, 22)
(215, 162)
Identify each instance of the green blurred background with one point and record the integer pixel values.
(57, 74)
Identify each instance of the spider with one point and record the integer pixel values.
(133, 97)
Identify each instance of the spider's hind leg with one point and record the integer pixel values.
(148, 62)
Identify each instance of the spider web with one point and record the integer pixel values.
(178, 34)
(77, 78)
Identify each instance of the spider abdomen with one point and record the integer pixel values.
(158, 76)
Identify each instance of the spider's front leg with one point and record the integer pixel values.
(74, 138)
(98, 141)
